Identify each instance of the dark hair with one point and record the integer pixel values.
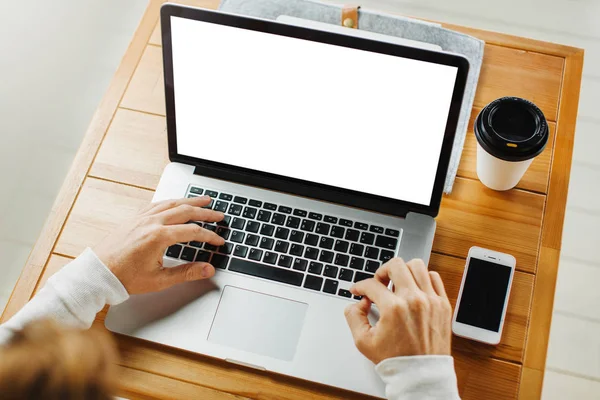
(44, 361)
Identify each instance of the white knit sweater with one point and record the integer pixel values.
(75, 294)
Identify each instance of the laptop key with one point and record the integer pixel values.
(223, 232)
(376, 229)
(225, 221)
(311, 253)
(330, 271)
(357, 263)
(278, 219)
(210, 205)
(267, 230)
(326, 256)
(191, 196)
(188, 254)
(198, 245)
(392, 232)
(196, 190)
(386, 242)
(297, 236)
(270, 257)
(293, 222)
(341, 259)
(372, 266)
(237, 236)
(285, 210)
(202, 256)
(341, 246)
(300, 213)
(346, 274)
(315, 268)
(356, 249)
(330, 286)
(330, 219)
(313, 282)
(225, 196)
(361, 225)
(372, 252)
(352, 234)
(386, 255)
(326, 242)
(270, 206)
(210, 227)
(322, 228)
(241, 200)
(235, 209)
(253, 226)
(265, 271)
(281, 246)
(255, 203)
(361, 276)
(227, 248)
(264, 216)
(337, 232)
(238, 223)
(249, 212)
(211, 193)
(345, 222)
(344, 293)
(255, 254)
(252, 240)
(240, 251)
(266, 243)
(296, 250)
(307, 225)
(314, 215)
(282, 233)
(219, 261)
(209, 247)
(221, 206)
(300, 264)
(311, 239)
(367, 238)
(284, 261)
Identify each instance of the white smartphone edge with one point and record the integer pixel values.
(473, 332)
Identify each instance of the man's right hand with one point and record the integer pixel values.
(415, 319)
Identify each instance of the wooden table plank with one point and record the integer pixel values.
(536, 177)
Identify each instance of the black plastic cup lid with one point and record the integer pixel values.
(512, 129)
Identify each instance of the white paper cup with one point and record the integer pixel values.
(510, 133)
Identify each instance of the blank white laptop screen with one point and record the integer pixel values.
(349, 118)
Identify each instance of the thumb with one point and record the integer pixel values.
(356, 317)
(189, 272)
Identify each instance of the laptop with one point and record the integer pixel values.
(327, 153)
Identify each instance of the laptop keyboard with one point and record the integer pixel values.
(290, 245)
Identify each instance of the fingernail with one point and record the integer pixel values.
(206, 271)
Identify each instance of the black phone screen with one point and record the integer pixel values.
(484, 294)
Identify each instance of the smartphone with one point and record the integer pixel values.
(483, 296)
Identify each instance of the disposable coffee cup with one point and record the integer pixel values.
(510, 133)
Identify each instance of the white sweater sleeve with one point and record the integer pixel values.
(419, 378)
(72, 297)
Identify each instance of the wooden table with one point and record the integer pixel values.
(124, 152)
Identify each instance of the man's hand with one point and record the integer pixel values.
(134, 252)
(415, 319)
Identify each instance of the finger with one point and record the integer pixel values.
(356, 317)
(187, 272)
(376, 291)
(155, 208)
(419, 272)
(190, 232)
(397, 271)
(185, 213)
(438, 284)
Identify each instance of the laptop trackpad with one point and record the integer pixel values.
(258, 323)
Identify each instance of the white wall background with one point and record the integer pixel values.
(57, 58)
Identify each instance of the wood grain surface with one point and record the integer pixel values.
(124, 153)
